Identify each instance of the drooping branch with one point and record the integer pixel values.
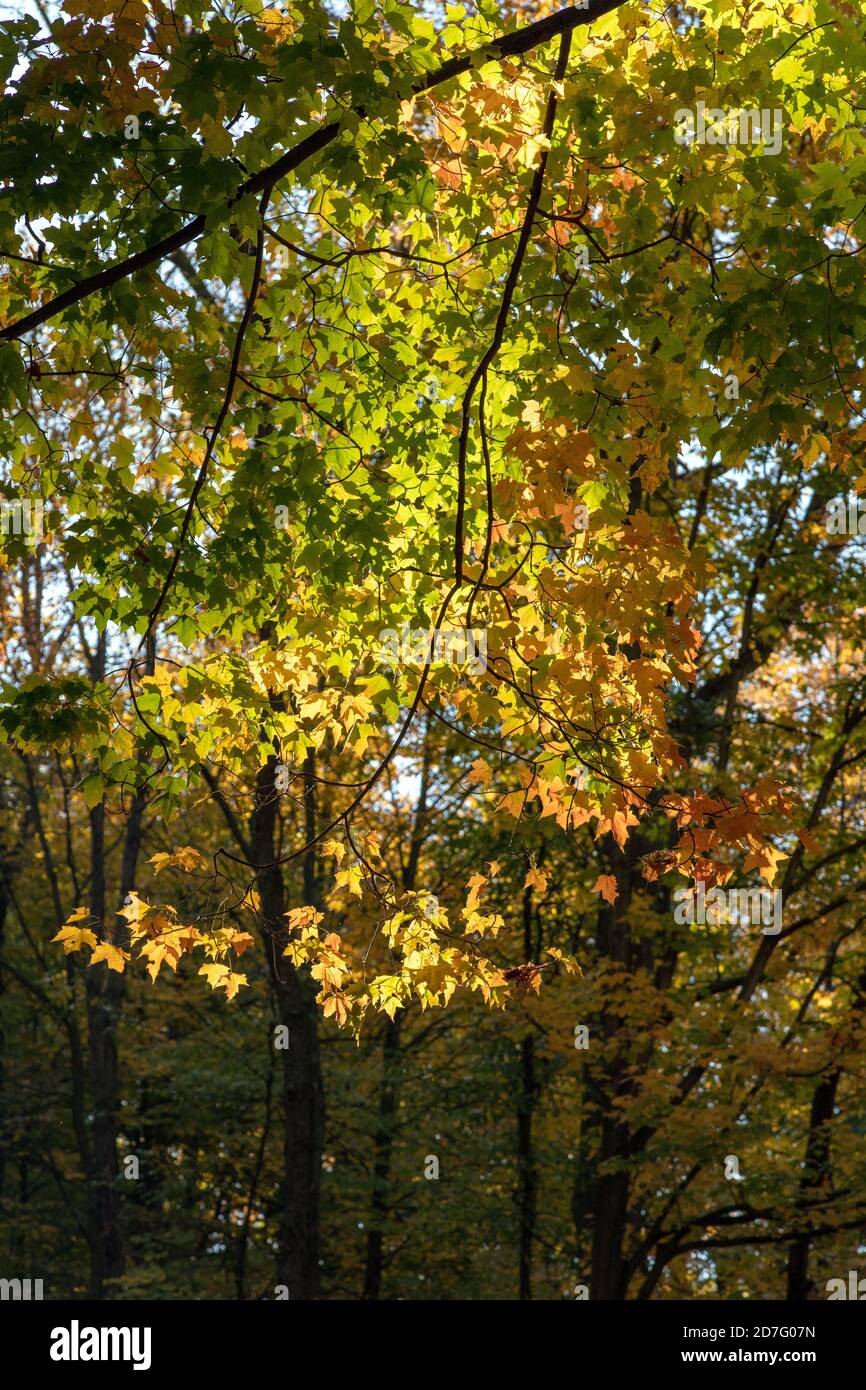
(480, 372)
(217, 427)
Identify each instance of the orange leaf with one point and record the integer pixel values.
(605, 884)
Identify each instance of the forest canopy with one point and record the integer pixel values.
(430, 459)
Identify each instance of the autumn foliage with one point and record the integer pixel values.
(327, 324)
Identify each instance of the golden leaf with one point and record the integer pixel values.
(113, 956)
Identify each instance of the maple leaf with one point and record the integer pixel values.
(513, 804)
(300, 917)
(606, 885)
(185, 858)
(214, 973)
(336, 1004)
(524, 977)
(233, 983)
(536, 878)
(72, 936)
(158, 951)
(568, 963)
(476, 886)
(189, 938)
(658, 862)
(764, 860)
(220, 977)
(115, 958)
(710, 871)
(480, 772)
(617, 825)
(335, 848)
(133, 908)
(351, 878)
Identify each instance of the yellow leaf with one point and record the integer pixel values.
(214, 973)
(480, 772)
(568, 963)
(764, 860)
(536, 878)
(336, 848)
(74, 937)
(134, 908)
(350, 878)
(113, 956)
(157, 952)
(191, 937)
(185, 858)
(220, 977)
(233, 983)
(475, 885)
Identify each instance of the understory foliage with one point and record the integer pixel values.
(426, 437)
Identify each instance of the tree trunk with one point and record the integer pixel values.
(383, 1142)
(382, 1150)
(105, 995)
(527, 1178)
(815, 1176)
(106, 1246)
(301, 1091)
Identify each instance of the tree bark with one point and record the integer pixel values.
(816, 1175)
(382, 1150)
(301, 1092)
(105, 994)
(527, 1177)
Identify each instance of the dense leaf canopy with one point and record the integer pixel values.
(444, 426)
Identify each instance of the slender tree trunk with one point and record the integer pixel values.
(817, 1172)
(611, 1202)
(301, 1091)
(243, 1241)
(609, 1081)
(5, 874)
(527, 1178)
(106, 1246)
(105, 995)
(383, 1140)
(9, 864)
(382, 1152)
(815, 1176)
